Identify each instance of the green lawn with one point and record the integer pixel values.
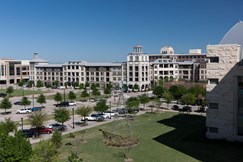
(164, 137)
(20, 92)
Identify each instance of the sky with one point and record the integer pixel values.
(107, 30)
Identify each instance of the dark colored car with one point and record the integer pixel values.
(42, 130)
(57, 126)
(186, 109)
(17, 103)
(28, 133)
(175, 107)
(121, 111)
(3, 94)
(63, 104)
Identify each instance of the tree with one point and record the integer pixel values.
(15, 148)
(39, 84)
(21, 83)
(76, 84)
(197, 90)
(5, 104)
(44, 152)
(41, 99)
(25, 102)
(84, 111)
(96, 92)
(48, 85)
(7, 126)
(93, 86)
(124, 87)
(61, 115)
(168, 98)
(132, 104)
(86, 85)
(10, 90)
(58, 97)
(30, 83)
(188, 99)
(56, 83)
(107, 91)
(81, 86)
(84, 94)
(72, 95)
(136, 87)
(56, 138)
(143, 99)
(158, 91)
(37, 118)
(177, 91)
(101, 106)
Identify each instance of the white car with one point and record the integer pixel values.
(93, 117)
(109, 114)
(72, 103)
(23, 111)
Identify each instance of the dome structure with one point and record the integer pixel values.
(234, 36)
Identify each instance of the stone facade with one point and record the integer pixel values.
(223, 70)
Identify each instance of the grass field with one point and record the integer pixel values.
(163, 137)
(20, 92)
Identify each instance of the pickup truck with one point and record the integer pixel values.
(24, 111)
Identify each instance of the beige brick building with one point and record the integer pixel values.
(225, 87)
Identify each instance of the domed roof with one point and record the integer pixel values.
(37, 60)
(234, 35)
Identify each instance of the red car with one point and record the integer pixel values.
(42, 129)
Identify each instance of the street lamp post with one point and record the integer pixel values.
(110, 109)
(22, 124)
(73, 118)
(64, 97)
(33, 96)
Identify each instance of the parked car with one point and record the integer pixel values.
(121, 111)
(186, 109)
(57, 126)
(17, 103)
(42, 130)
(106, 116)
(24, 111)
(36, 108)
(62, 87)
(28, 133)
(3, 94)
(63, 104)
(72, 103)
(175, 107)
(111, 113)
(93, 117)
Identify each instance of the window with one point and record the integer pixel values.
(213, 81)
(213, 105)
(213, 129)
(214, 59)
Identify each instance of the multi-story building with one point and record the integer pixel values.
(12, 71)
(165, 69)
(48, 73)
(224, 119)
(189, 65)
(80, 72)
(32, 70)
(138, 69)
(101, 73)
